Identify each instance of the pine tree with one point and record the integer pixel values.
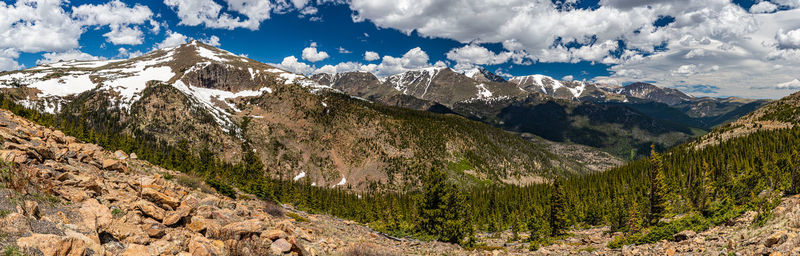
(795, 172)
(443, 212)
(658, 188)
(634, 217)
(558, 214)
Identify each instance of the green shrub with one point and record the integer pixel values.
(222, 187)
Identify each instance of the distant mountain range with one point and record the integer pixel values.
(618, 119)
(197, 97)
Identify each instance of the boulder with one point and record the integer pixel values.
(134, 156)
(183, 210)
(31, 209)
(683, 235)
(280, 246)
(135, 250)
(149, 209)
(201, 246)
(94, 215)
(127, 232)
(119, 154)
(154, 230)
(200, 224)
(13, 156)
(53, 245)
(776, 238)
(160, 198)
(113, 165)
(241, 229)
(274, 234)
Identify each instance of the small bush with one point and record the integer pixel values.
(12, 251)
(222, 188)
(273, 209)
(194, 183)
(296, 217)
(117, 212)
(367, 250)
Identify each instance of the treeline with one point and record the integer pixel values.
(706, 186)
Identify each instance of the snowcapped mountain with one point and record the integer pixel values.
(200, 98)
(480, 74)
(191, 68)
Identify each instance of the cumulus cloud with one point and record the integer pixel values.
(119, 17)
(342, 50)
(31, 26)
(173, 39)
(789, 39)
(8, 60)
(73, 54)
(212, 41)
(763, 7)
(470, 55)
(293, 65)
(311, 54)
(794, 84)
(210, 13)
(121, 35)
(125, 53)
(371, 56)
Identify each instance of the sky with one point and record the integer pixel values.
(714, 48)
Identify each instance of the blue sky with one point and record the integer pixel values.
(704, 47)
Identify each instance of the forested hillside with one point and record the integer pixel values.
(702, 187)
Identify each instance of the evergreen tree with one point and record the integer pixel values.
(794, 188)
(658, 188)
(444, 209)
(558, 214)
(634, 217)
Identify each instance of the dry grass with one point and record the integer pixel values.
(194, 183)
(364, 249)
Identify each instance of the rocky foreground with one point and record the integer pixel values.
(64, 197)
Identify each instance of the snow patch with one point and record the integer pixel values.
(299, 176)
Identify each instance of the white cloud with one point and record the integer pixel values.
(8, 60)
(113, 12)
(567, 78)
(728, 46)
(73, 54)
(342, 50)
(121, 35)
(212, 41)
(125, 53)
(794, 84)
(470, 55)
(342, 67)
(291, 64)
(173, 39)
(119, 17)
(371, 56)
(763, 7)
(210, 14)
(30, 26)
(311, 54)
(789, 39)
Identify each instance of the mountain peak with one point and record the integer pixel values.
(480, 74)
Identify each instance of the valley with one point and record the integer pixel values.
(343, 162)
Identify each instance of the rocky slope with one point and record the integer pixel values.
(200, 97)
(65, 197)
(779, 114)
